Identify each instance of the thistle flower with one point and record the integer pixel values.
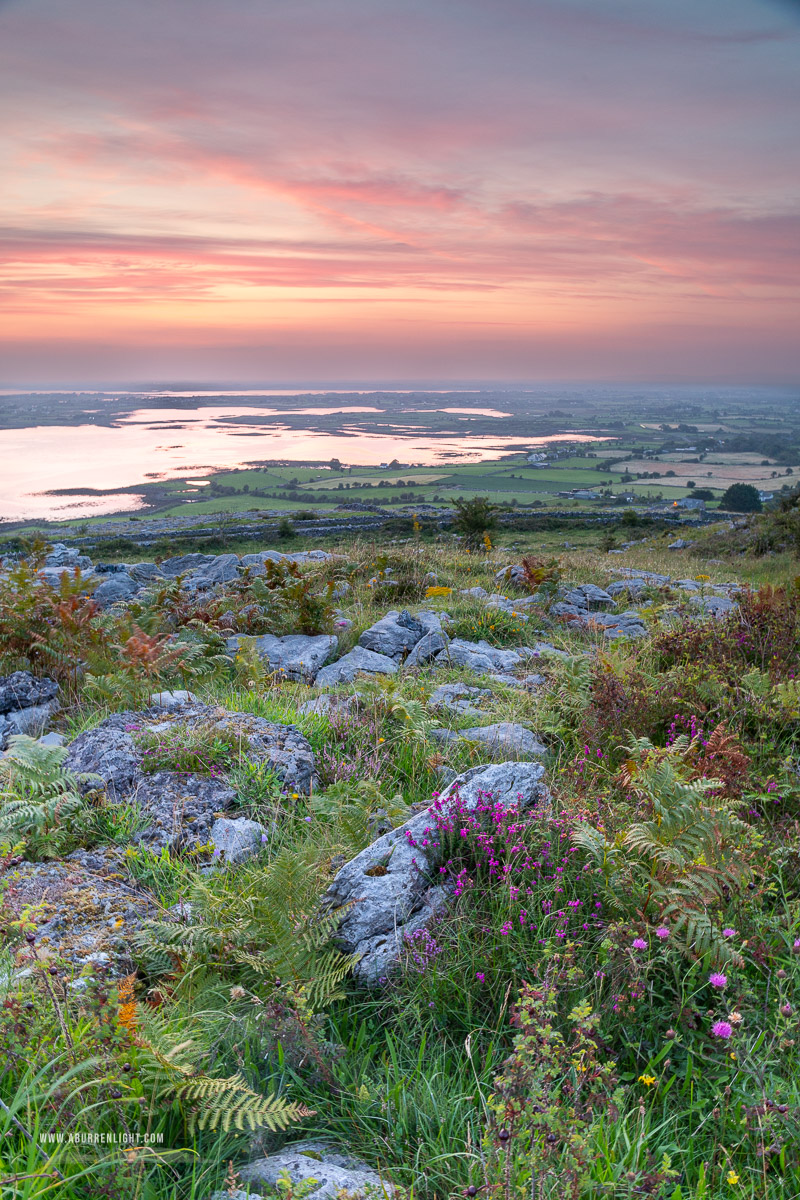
(238, 993)
(722, 1029)
(639, 944)
(717, 980)
(729, 933)
(662, 932)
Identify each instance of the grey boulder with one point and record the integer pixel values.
(589, 597)
(184, 563)
(714, 606)
(345, 669)
(515, 573)
(115, 589)
(391, 888)
(237, 840)
(298, 656)
(329, 704)
(428, 646)
(21, 689)
(506, 737)
(458, 698)
(145, 572)
(336, 1173)
(479, 656)
(182, 809)
(222, 569)
(393, 635)
(32, 720)
(107, 750)
(172, 700)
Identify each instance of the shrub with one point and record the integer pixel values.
(741, 497)
(474, 518)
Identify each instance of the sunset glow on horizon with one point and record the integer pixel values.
(399, 189)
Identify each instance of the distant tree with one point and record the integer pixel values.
(630, 517)
(285, 528)
(741, 497)
(690, 483)
(702, 494)
(474, 518)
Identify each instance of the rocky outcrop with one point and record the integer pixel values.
(459, 698)
(335, 1173)
(116, 588)
(23, 690)
(180, 807)
(88, 914)
(358, 661)
(506, 738)
(27, 705)
(390, 889)
(236, 841)
(297, 656)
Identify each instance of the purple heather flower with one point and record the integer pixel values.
(722, 1029)
(639, 944)
(662, 932)
(729, 933)
(479, 975)
(718, 980)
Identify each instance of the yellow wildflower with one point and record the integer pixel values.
(732, 1178)
(647, 1080)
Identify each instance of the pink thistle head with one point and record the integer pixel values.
(722, 1029)
(639, 944)
(662, 932)
(717, 980)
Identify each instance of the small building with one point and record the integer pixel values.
(690, 503)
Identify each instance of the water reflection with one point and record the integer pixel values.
(43, 459)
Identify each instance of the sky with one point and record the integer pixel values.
(320, 190)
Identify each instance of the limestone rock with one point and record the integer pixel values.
(108, 751)
(172, 700)
(222, 569)
(394, 881)
(116, 589)
(345, 669)
(514, 573)
(33, 720)
(714, 606)
(298, 656)
(237, 840)
(181, 808)
(459, 698)
(90, 910)
(328, 703)
(479, 656)
(428, 646)
(21, 689)
(145, 572)
(588, 597)
(336, 1173)
(184, 563)
(506, 737)
(395, 633)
